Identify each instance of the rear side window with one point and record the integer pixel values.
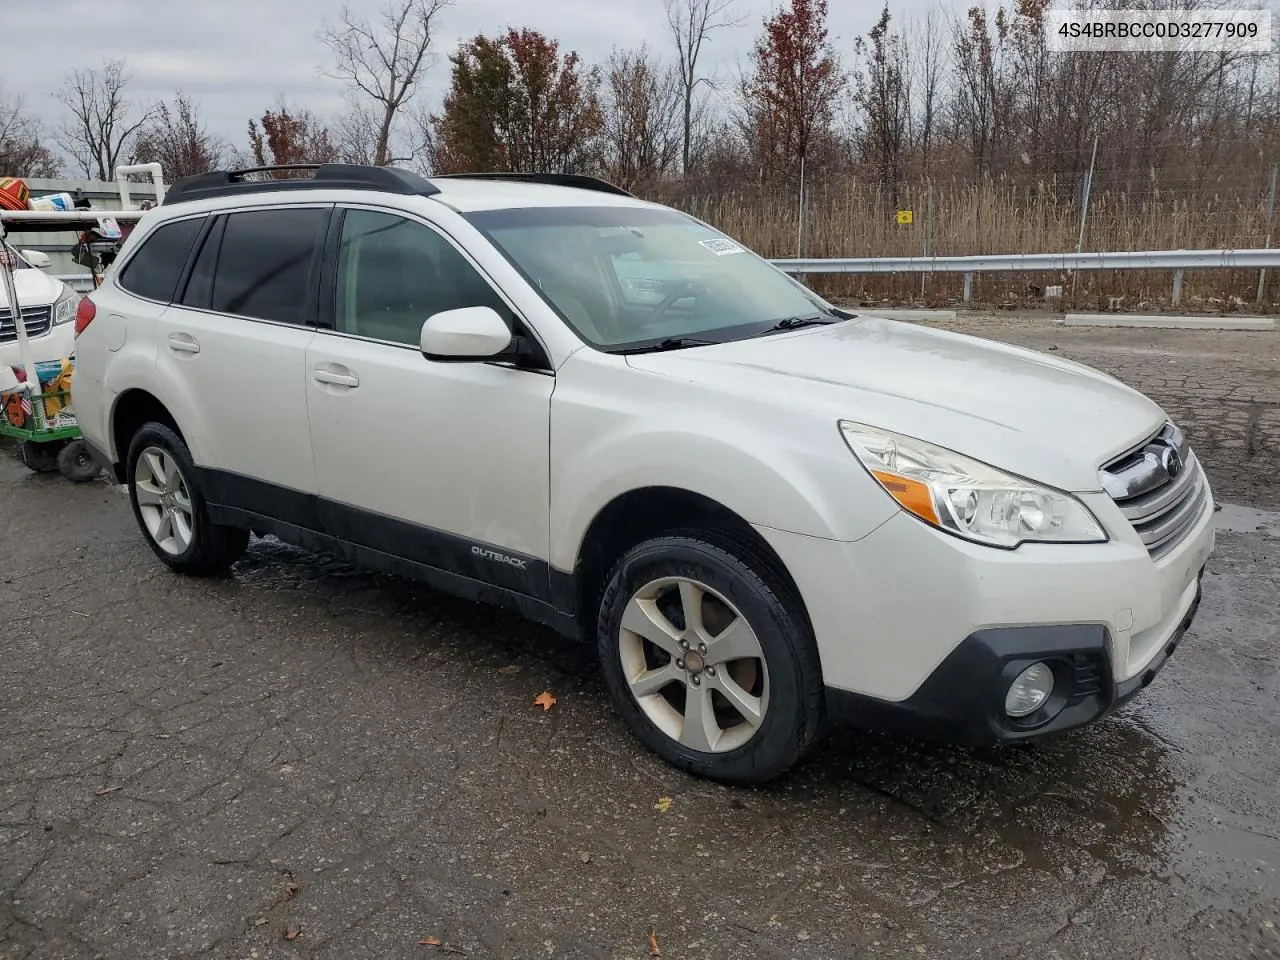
(199, 288)
(153, 271)
(264, 264)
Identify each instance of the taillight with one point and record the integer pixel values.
(84, 315)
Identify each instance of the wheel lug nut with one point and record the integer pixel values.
(702, 649)
(684, 644)
(711, 671)
(694, 680)
(679, 664)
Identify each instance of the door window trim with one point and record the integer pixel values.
(326, 312)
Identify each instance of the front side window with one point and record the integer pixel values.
(394, 273)
(264, 265)
(153, 272)
(624, 276)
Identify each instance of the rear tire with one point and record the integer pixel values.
(40, 457)
(736, 695)
(164, 489)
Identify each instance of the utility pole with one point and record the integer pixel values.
(1084, 208)
(1271, 212)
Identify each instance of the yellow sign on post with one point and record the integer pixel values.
(904, 216)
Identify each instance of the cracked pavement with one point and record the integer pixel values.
(197, 768)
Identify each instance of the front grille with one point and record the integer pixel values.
(38, 321)
(1160, 488)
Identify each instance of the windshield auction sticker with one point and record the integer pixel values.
(722, 246)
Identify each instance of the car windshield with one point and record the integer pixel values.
(628, 278)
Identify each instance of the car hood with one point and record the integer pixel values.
(35, 288)
(1044, 418)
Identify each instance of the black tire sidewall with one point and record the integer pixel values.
(785, 640)
(69, 458)
(159, 435)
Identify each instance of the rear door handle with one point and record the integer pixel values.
(182, 343)
(337, 379)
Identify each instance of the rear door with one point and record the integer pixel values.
(232, 356)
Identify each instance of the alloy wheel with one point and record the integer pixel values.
(164, 501)
(694, 664)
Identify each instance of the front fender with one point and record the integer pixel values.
(801, 487)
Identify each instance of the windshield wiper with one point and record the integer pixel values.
(791, 323)
(671, 343)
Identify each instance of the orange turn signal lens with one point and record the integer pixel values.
(912, 495)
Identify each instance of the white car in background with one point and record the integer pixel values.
(48, 309)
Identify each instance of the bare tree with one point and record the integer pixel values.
(882, 92)
(926, 82)
(641, 112)
(22, 149)
(356, 131)
(178, 140)
(104, 122)
(691, 23)
(384, 61)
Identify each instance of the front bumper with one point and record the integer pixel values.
(962, 701)
(58, 343)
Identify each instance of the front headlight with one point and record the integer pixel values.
(64, 310)
(968, 498)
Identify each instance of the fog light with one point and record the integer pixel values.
(1029, 691)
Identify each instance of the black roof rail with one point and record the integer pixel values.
(579, 180)
(326, 176)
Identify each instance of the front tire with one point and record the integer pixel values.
(710, 659)
(170, 507)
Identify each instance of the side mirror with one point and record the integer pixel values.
(469, 333)
(37, 259)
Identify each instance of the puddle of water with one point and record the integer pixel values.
(1233, 518)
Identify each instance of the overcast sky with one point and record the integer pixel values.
(237, 57)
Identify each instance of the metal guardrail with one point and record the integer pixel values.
(1176, 260)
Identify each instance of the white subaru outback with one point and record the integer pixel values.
(542, 392)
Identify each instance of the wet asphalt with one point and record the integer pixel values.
(304, 760)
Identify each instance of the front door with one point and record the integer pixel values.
(442, 463)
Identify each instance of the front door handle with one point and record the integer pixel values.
(183, 343)
(337, 379)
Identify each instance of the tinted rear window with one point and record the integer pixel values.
(264, 263)
(153, 271)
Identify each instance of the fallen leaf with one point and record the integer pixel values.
(292, 933)
(429, 942)
(663, 804)
(510, 668)
(261, 922)
(546, 700)
(291, 888)
(584, 857)
(106, 790)
(653, 944)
